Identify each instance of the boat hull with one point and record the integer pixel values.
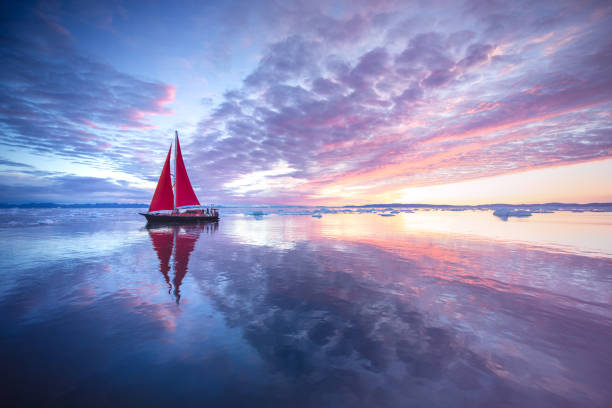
(178, 219)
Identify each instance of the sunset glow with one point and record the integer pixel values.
(309, 102)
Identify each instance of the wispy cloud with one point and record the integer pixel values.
(443, 107)
(357, 99)
(57, 101)
(49, 187)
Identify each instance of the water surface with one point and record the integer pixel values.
(432, 308)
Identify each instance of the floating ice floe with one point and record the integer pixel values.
(258, 215)
(541, 211)
(386, 215)
(316, 215)
(328, 211)
(504, 213)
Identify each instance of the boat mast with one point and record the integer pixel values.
(175, 144)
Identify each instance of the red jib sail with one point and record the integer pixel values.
(184, 191)
(163, 199)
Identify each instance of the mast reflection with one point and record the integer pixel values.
(177, 240)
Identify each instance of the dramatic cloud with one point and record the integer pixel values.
(56, 188)
(58, 102)
(350, 102)
(480, 91)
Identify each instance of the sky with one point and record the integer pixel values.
(308, 102)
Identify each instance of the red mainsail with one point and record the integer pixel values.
(163, 199)
(184, 191)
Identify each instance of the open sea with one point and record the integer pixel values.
(418, 309)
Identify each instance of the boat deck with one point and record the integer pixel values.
(179, 219)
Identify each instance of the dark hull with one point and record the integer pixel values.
(179, 219)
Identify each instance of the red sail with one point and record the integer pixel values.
(184, 191)
(162, 240)
(163, 199)
(186, 238)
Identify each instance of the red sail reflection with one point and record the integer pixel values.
(177, 240)
(163, 240)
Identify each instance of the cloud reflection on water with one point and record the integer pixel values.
(318, 312)
(373, 316)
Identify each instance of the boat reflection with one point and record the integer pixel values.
(173, 245)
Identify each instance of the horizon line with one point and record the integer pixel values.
(558, 203)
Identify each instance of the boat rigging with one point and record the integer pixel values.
(174, 201)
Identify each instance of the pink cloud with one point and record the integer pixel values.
(159, 108)
(483, 107)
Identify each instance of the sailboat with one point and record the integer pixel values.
(176, 202)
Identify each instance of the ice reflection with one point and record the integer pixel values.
(273, 231)
(346, 310)
(383, 317)
(583, 233)
(181, 239)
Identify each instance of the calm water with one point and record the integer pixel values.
(425, 309)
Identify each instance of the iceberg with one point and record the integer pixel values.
(328, 211)
(504, 213)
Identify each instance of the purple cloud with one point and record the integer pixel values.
(48, 187)
(374, 96)
(339, 117)
(56, 101)
(285, 60)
